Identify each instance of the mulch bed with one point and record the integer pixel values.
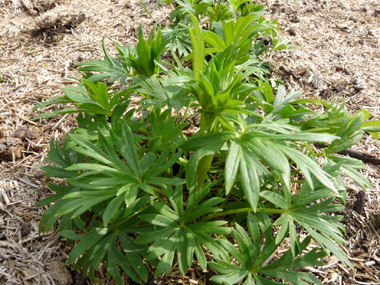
(42, 41)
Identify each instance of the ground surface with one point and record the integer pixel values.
(40, 43)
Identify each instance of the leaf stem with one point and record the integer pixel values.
(147, 10)
(216, 11)
(243, 210)
(185, 114)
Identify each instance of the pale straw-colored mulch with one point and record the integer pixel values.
(339, 56)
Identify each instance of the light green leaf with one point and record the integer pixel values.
(70, 234)
(329, 245)
(112, 208)
(127, 148)
(197, 44)
(132, 258)
(232, 165)
(372, 127)
(196, 157)
(307, 166)
(76, 94)
(158, 220)
(197, 142)
(250, 180)
(275, 199)
(88, 240)
(268, 152)
(214, 40)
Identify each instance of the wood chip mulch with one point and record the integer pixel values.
(42, 41)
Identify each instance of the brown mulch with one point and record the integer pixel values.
(42, 41)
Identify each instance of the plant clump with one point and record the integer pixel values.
(139, 191)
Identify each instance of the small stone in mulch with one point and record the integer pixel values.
(11, 148)
(60, 273)
(26, 134)
(292, 32)
(359, 207)
(25, 229)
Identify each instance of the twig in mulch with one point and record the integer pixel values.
(359, 207)
(361, 156)
(354, 154)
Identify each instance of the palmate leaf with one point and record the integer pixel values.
(284, 105)
(328, 121)
(308, 166)
(160, 93)
(254, 148)
(349, 166)
(84, 200)
(110, 68)
(313, 217)
(62, 157)
(178, 40)
(177, 233)
(110, 245)
(244, 161)
(165, 131)
(50, 217)
(282, 99)
(349, 133)
(100, 245)
(268, 148)
(182, 13)
(327, 230)
(251, 257)
(279, 44)
(106, 178)
(89, 97)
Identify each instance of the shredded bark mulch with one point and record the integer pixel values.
(42, 41)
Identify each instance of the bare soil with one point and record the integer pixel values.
(41, 41)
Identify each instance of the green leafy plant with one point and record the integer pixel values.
(228, 23)
(141, 192)
(253, 257)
